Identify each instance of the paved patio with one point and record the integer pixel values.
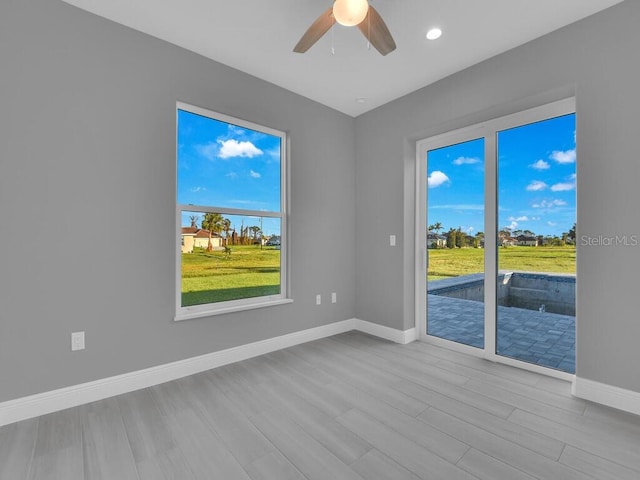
(546, 339)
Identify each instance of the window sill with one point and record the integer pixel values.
(189, 315)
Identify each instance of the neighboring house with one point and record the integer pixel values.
(193, 237)
(525, 241)
(507, 242)
(436, 241)
(273, 241)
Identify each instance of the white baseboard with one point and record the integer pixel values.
(388, 333)
(40, 404)
(615, 397)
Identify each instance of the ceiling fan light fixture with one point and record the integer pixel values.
(434, 34)
(350, 12)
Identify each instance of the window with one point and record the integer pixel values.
(230, 214)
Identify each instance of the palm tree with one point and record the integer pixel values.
(436, 227)
(215, 224)
(226, 226)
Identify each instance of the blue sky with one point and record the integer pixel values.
(536, 180)
(223, 165)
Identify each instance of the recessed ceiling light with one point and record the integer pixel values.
(434, 34)
(361, 100)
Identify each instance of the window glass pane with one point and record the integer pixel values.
(228, 257)
(224, 165)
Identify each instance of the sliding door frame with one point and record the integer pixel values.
(487, 130)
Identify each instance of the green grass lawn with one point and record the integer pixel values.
(446, 263)
(249, 271)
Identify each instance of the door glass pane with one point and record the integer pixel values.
(537, 243)
(455, 243)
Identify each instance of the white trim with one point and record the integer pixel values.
(42, 403)
(216, 308)
(200, 311)
(388, 333)
(487, 130)
(608, 395)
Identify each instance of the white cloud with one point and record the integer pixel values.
(567, 156)
(253, 174)
(536, 186)
(197, 189)
(232, 175)
(523, 218)
(209, 151)
(436, 179)
(235, 130)
(563, 187)
(540, 165)
(233, 148)
(274, 153)
(470, 229)
(466, 161)
(552, 224)
(549, 203)
(513, 225)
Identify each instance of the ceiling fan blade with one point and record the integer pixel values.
(315, 31)
(376, 31)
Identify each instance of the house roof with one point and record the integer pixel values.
(198, 232)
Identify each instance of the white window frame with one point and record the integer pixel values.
(218, 308)
(489, 131)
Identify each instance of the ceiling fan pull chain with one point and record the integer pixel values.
(369, 27)
(333, 50)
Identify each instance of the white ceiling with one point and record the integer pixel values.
(257, 37)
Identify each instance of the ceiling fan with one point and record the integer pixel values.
(350, 13)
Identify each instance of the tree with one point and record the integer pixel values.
(452, 237)
(194, 220)
(505, 233)
(572, 233)
(214, 223)
(226, 227)
(461, 238)
(255, 231)
(436, 227)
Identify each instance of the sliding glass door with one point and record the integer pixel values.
(496, 231)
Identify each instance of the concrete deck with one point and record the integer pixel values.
(546, 339)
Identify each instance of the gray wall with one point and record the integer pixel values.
(87, 160)
(597, 60)
(87, 167)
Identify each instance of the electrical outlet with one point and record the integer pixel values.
(77, 341)
(318, 299)
(392, 240)
(334, 297)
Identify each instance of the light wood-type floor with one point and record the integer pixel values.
(345, 407)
